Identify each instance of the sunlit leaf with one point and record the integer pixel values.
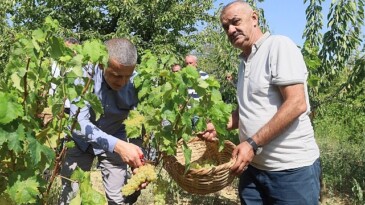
(24, 192)
(37, 151)
(9, 110)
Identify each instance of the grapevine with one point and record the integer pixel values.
(168, 109)
(145, 173)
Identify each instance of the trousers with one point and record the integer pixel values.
(113, 170)
(299, 186)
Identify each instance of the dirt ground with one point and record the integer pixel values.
(227, 196)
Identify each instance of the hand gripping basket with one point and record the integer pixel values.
(203, 180)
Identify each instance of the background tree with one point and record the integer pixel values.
(7, 33)
(335, 60)
(157, 25)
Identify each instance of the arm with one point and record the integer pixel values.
(294, 104)
(90, 133)
(233, 121)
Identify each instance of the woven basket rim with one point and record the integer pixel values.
(202, 180)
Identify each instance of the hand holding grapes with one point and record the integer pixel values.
(140, 179)
(129, 153)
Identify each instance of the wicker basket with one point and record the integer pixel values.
(203, 180)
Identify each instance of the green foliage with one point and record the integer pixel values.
(167, 107)
(86, 195)
(345, 21)
(27, 141)
(339, 129)
(358, 192)
(342, 163)
(314, 24)
(336, 66)
(7, 34)
(342, 121)
(158, 25)
(24, 191)
(9, 108)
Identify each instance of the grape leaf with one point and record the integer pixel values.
(95, 104)
(3, 136)
(216, 95)
(39, 35)
(187, 155)
(57, 46)
(87, 193)
(9, 110)
(95, 50)
(15, 139)
(36, 150)
(24, 192)
(76, 64)
(77, 200)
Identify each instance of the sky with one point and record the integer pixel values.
(285, 17)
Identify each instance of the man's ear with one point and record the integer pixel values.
(255, 16)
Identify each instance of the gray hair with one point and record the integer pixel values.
(193, 57)
(122, 50)
(234, 2)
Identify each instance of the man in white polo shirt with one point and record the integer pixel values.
(278, 158)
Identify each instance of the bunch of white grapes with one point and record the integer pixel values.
(160, 188)
(208, 163)
(145, 173)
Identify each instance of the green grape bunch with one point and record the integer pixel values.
(208, 163)
(160, 189)
(134, 123)
(145, 173)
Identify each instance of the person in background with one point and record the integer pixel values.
(191, 60)
(106, 138)
(71, 41)
(230, 79)
(277, 159)
(175, 67)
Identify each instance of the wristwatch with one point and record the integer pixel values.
(256, 149)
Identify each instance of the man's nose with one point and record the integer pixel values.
(231, 29)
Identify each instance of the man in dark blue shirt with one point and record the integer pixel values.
(106, 138)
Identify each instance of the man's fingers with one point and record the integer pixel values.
(138, 163)
(143, 185)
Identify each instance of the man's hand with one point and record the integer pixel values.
(209, 134)
(130, 153)
(243, 154)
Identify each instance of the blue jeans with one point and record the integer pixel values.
(299, 186)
